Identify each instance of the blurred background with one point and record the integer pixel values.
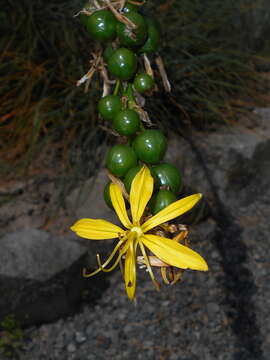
(217, 56)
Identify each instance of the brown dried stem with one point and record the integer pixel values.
(162, 71)
(147, 65)
(88, 76)
(117, 181)
(123, 19)
(143, 114)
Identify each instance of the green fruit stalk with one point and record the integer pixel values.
(128, 41)
(138, 174)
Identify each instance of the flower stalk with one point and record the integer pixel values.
(149, 236)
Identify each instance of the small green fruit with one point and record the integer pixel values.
(123, 64)
(150, 146)
(168, 175)
(109, 106)
(120, 159)
(153, 38)
(106, 195)
(101, 25)
(127, 122)
(129, 8)
(143, 83)
(132, 38)
(161, 200)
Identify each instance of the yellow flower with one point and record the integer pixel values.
(136, 234)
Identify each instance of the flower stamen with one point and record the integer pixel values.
(137, 230)
(106, 262)
(162, 252)
(148, 266)
(102, 266)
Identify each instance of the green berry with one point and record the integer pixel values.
(161, 200)
(109, 106)
(120, 159)
(150, 146)
(168, 175)
(132, 38)
(102, 25)
(143, 83)
(127, 122)
(129, 8)
(153, 38)
(123, 64)
(83, 17)
(106, 195)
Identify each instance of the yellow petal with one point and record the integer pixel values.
(130, 271)
(96, 229)
(140, 193)
(174, 253)
(119, 205)
(172, 211)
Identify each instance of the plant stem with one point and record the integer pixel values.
(117, 87)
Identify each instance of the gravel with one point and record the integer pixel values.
(184, 321)
(218, 315)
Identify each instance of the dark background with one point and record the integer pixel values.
(215, 54)
(217, 58)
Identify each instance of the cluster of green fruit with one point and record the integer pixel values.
(103, 26)
(167, 184)
(123, 46)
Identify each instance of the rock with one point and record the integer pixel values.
(222, 311)
(231, 167)
(40, 276)
(71, 348)
(43, 255)
(80, 337)
(87, 201)
(89, 330)
(212, 309)
(180, 154)
(26, 204)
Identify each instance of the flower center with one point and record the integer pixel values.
(137, 230)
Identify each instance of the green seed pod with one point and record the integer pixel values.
(168, 175)
(132, 38)
(161, 200)
(150, 146)
(106, 195)
(123, 64)
(143, 83)
(120, 159)
(128, 8)
(126, 122)
(101, 25)
(109, 106)
(153, 38)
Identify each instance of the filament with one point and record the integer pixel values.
(106, 262)
(148, 265)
